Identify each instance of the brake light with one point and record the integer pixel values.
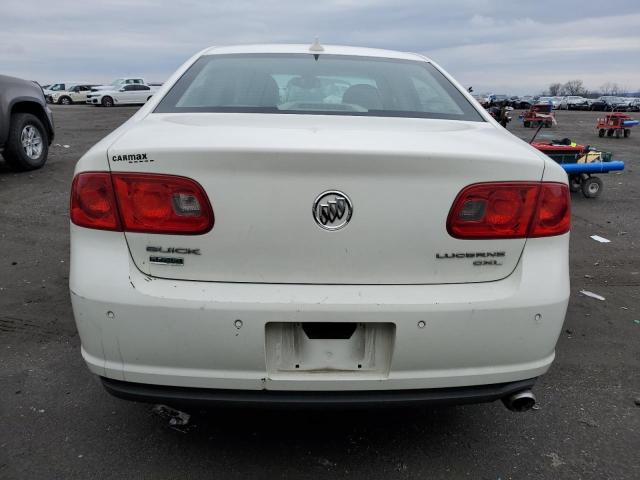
(147, 203)
(510, 210)
(93, 204)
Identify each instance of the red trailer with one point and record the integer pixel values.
(618, 124)
(539, 114)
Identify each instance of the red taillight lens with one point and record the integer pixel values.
(554, 211)
(93, 204)
(148, 203)
(162, 204)
(510, 210)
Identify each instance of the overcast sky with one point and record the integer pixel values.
(511, 47)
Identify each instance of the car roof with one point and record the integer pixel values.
(71, 83)
(305, 48)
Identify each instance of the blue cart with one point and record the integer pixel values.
(581, 175)
(580, 167)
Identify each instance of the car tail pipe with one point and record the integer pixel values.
(520, 401)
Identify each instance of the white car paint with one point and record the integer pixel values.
(554, 101)
(120, 82)
(73, 93)
(125, 95)
(338, 151)
(62, 86)
(266, 263)
(571, 100)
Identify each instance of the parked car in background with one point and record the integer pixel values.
(523, 102)
(622, 104)
(598, 105)
(73, 94)
(129, 94)
(614, 101)
(634, 105)
(572, 102)
(497, 100)
(26, 124)
(222, 238)
(586, 105)
(120, 82)
(555, 101)
(61, 87)
(611, 103)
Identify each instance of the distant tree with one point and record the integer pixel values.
(555, 89)
(606, 88)
(574, 87)
(610, 88)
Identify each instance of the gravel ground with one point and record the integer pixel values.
(57, 422)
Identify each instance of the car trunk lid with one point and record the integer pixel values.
(263, 172)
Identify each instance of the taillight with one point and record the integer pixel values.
(510, 210)
(150, 203)
(93, 204)
(153, 203)
(554, 211)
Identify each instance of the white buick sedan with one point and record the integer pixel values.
(311, 225)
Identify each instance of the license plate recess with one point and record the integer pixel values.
(329, 348)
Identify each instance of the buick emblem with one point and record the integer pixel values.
(332, 210)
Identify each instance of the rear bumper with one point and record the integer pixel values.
(141, 392)
(169, 333)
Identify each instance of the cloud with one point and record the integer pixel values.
(482, 21)
(538, 53)
(510, 47)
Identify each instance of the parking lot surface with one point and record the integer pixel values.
(57, 422)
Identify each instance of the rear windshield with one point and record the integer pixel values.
(323, 84)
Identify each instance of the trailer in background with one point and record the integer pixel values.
(580, 163)
(615, 124)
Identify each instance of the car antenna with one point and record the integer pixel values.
(537, 132)
(316, 47)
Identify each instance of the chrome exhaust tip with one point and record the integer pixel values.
(520, 401)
